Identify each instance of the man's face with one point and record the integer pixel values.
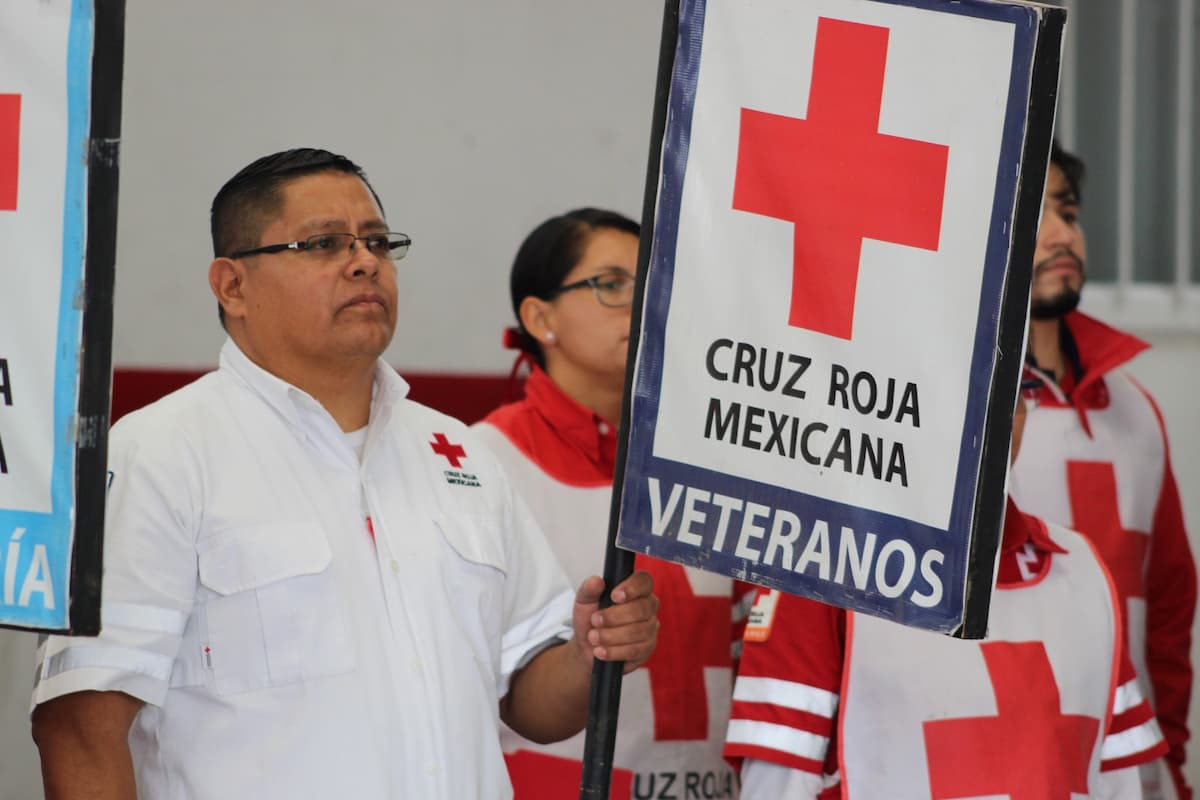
(1061, 254)
(305, 312)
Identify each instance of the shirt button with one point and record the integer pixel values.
(432, 771)
(603, 428)
(395, 565)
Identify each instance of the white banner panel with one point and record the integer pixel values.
(45, 83)
(909, 406)
(828, 293)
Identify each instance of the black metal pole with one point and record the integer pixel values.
(605, 699)
(990, 497)
(91, 451)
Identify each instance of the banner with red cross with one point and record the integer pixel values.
(831, 307)
(58, 106)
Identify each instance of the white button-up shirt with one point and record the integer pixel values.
(283, 649)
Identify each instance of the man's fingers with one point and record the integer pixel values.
(625, 631)
(636, 653)
(642, 633)
(636, 586)
(639, 584)
(629, 613)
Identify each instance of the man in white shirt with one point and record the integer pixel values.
(313, 586)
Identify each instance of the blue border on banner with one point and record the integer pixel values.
(883, 532)
(46, 543)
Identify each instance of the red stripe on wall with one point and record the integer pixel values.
(466, 397)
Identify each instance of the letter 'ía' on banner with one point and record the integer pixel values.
(832, 310)
(55, 297)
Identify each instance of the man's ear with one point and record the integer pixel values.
(226, 278)
(537, 316)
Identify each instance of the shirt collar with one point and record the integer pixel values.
(294, 404)
(1091, 350)
(1020, 528)
(1099, 349)
(578, 424)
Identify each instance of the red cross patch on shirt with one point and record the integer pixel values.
(455, 454)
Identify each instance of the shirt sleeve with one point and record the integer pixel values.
(1133, 736)
(785, 699)
(1170, 608)
(150, 575)
(539, 600)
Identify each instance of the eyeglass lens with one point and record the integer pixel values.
(615, 290)
(382, 245)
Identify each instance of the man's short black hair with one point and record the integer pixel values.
(251, 199)
(1072, 167)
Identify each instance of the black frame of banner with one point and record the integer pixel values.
(987, 521)
(990, 496)
(605, 699)
(95, 378)
(92, 410)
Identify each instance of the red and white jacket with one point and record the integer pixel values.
(560, 457)
(1094, 457)
(1036, 710)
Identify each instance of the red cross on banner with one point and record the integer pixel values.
(1029, 751)
(837, 178)
(1092, 486)
(10, 149)
(696, 632)
(444, 447)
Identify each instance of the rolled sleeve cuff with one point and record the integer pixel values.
(526, 639)
(99, 679)
(134, 654)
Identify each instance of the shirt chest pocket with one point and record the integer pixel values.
(275, 618)
(475, 579)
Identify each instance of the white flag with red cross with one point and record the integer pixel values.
(831, 314)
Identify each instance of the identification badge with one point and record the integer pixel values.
(762, 616)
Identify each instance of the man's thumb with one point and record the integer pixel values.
(590, 590)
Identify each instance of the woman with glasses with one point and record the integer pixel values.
(572, 286)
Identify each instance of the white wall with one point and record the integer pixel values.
(474, 120)
(20, 778)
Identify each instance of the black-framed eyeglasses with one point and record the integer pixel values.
(335, 245)
(613, 289)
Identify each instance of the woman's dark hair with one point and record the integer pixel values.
(548, 255)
